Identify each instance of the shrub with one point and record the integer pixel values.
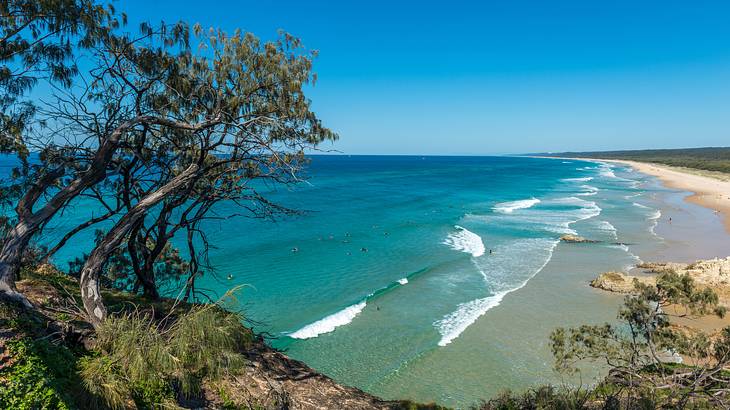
(147, 361)
(544, 397)
(36, 376)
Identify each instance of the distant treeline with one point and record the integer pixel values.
(710, 158)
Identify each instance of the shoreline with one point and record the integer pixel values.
(707, 191)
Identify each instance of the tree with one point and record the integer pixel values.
(638, 350)
(179, 130)
(37, 41)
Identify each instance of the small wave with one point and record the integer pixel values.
(509, 207)
(330, 323)
(638, 205)
(453, 324)
(583, 179)
(656, 215)
(634, 257)
(348, 314)
(608, 227)
(608, 173)
(590, 190)
(466, 241)
(606, 170)
(567, 162)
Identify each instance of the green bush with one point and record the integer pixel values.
(37, 377)
(544, 397)
(146, 361)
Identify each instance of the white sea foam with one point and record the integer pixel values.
(329, 323)
(509, 207)
(403, 281)
(513, 265)
(638, 205)
(586, 210)
(567, 162)
(606, 170)
(633, 256)
(453, 324)
(656, 215)
(583, 179)
(608, 227)
(590, 190)
(466, 241)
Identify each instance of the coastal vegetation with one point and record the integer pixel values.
(708, 159)
(158, 127)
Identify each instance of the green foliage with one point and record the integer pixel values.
(544, 397)
(410, 405)
(168, 266)
(638, 351)
(39, 376)
(143, 360)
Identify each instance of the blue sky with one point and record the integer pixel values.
(494, 77)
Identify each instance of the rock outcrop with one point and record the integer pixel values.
(274, 381)
(576, 239)
(712, 273)
(618, 282)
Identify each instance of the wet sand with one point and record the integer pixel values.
(696, 228)
(710, 189)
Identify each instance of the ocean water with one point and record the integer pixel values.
(432, 278)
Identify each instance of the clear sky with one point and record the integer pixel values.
(493, 77)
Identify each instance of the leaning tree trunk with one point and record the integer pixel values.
(91, 271)
(30, 222)
(10, 257)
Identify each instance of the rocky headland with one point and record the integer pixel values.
(712, 273)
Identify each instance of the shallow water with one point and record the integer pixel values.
(441, 278)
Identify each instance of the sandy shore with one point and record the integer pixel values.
(710, 189)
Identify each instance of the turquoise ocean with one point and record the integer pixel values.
(431, 278)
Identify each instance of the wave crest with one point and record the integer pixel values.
(509, 207)
(466, 241)
(329, 323)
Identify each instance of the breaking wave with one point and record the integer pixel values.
(466, 241)
(512, 266)
(345, 316)
(496, 276)
(330, 323)
(509, 207)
